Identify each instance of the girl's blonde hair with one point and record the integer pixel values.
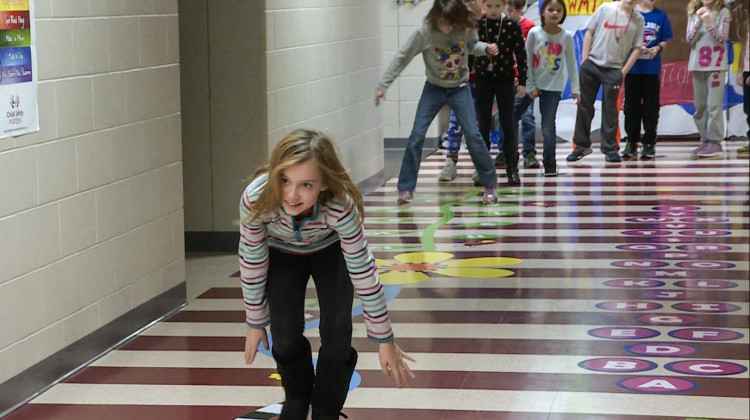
(694, 5)
(452, 12)
(298, 147)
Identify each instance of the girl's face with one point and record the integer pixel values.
(648, 3)
(301, 183)
(553, 13)
(708, 2)
(475, 7)
(494, 9)
(445, 27)
(513, 13)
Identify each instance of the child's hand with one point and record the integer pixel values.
(520, 91)
(392, 362)
(253, 336)
(534, 94)
(379, 94)
(704, 15)
(652, 52)
(577, 97)
(493, 50)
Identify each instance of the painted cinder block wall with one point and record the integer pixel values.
(91, 219)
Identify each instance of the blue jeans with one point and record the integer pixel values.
(523, 111)
(459, 99)
(548, 101)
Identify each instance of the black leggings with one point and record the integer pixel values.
(288, 275)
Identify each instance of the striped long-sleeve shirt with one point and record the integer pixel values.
(330, 222)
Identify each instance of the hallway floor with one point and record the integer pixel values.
(611, 292)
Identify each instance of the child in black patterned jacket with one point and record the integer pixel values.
(495, 79)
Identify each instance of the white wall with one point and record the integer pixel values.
(91, 221)
(323, 62)
(399, 22)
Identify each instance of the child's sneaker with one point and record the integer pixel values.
(404, 197)
(648, 151)
(630, 150)
(475, 179)
(711, 150)
(529, 161)
(489, 196)
(744, 151)
(449, 171)
(694, 153)
(550, 167)
(500, 160)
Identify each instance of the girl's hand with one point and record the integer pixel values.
(253, 336)
(577, 97)
(534, 94)
(379, 94)
(392, 362)
(520, 91)
(739, 78)
(493, 50)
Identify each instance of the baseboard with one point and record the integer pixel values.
(28, 384)
(212, 241)
(400, 142)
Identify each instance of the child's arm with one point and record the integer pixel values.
(519, 51)
(719, 31)
(634, 54)
(743, 51)
(253, 259)
(362, 269)
(586, 49)
(531, 88)
(572, 66)
(693, 26)
(413, 46)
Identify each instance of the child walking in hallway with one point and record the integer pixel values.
(495, 80)
(707, 31)
(643, 83)
(445, 41)
(549, 49)
(302, 216)
(612, 44)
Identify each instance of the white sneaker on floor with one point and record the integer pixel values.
(449, 171)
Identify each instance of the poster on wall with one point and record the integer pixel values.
(18, 80)
(676, 116)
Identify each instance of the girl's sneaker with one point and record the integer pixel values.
(694, 153)
(489, 196)
(404, 197)
(449, 171)
(711, 150)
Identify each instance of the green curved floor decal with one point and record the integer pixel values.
(428, 236)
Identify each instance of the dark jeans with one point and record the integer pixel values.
(642, 104)
(592, 77)
(462, 104)
(505, 94)
(288, 275)
(548, 102)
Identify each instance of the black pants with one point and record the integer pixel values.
(592, 77)
(288, 275)
(746, 99)
(642, 105)
(505, 94)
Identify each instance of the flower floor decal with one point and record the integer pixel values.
(413, 267)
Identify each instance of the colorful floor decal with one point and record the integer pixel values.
(611, 292)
